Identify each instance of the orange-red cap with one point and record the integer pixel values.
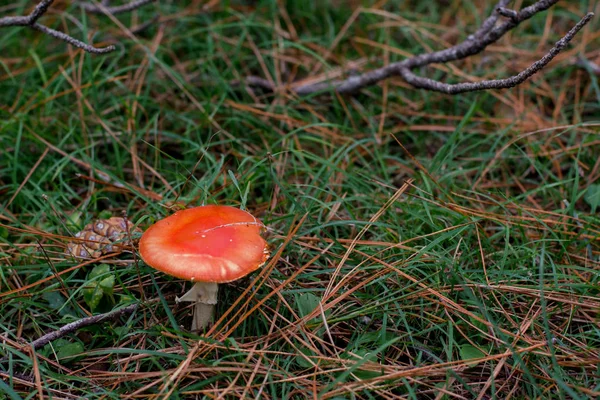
(206, 244)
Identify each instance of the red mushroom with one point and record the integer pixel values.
(207, 245)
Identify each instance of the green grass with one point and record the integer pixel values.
(375, 290)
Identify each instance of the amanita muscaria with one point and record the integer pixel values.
(207, 245)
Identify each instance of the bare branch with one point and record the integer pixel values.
(507, 12)
(31, 22)
(71, 40)
(42, 7)
(39, 10)
(30, 19)
(81, 323)
(76, 325)
(490, 22)
(104, 8)
(513, 81)
(489, 32)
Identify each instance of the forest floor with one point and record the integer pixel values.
(423, 245)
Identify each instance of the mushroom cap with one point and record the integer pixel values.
(206, 244)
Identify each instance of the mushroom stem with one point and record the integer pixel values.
(204, 297)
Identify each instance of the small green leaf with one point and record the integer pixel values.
(361, 356)
(98, 271)
(301, 359)
(100, 282)
(66, 350)
(230, 342)
(3, 232)
(478, 324)
(469, 352)
(126, 299)
(307, 303)
(74, 219)
(373, 337)
(107, 285)
(104, 214)
(92, 294)
(122, 331)
(364, 374)
(592, 196)
(55, 299)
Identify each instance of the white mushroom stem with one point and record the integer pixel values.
(204, 297)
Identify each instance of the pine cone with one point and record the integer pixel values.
(100, 237)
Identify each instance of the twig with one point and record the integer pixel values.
(104, 8)
(30, 21)
(488, 33)
(507, 12)
(71, 40)
(74, 326)
(490, 22)
(513, 81)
